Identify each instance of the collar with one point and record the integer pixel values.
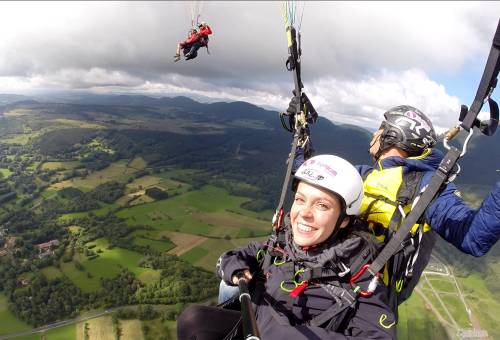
(341, 249)
(427, 161)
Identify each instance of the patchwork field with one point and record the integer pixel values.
(199, 225)
(183, 242)
(118, 171)
(204, 212)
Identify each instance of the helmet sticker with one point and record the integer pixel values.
(321, 165)
(413, 123)
(312, 175)
(415, 116)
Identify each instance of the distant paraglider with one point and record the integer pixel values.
(197, 35)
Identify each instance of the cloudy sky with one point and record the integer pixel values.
(359, 58)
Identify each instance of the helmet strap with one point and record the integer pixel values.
(337, 228)
(380, 147)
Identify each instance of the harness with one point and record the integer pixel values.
(327, 272)
(389, 197)
(204, 42)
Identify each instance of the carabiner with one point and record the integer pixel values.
(371, 286)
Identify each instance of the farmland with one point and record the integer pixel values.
(140, 211)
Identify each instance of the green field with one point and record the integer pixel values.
(5, 173)
(117, 171)
(456, 309)
(158, 329)
(137, 163)
(195, 254)
(143, 183)
(22, 138)
(214, 249)
(62, 333)
(48, 193)
(158, 245)
(109, 264)
(103, 210)
(51, 273)
(416, 321)
(443, 284)
(60, 165)
(482, 303)
(8, 322)
(202, 212)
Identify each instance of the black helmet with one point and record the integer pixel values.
(407, 128)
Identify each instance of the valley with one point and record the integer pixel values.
(105, 206)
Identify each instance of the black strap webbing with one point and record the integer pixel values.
(344, 299)
(284, 189)
(488, 82)
(292, 64)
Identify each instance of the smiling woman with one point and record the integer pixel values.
(301, 285)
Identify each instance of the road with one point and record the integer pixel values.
(59, 324)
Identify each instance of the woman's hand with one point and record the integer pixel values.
(245, 274)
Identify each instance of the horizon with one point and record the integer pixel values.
(370, 57)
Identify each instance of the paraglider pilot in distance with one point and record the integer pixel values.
(196, 39)
(186, 44)
(303, 290)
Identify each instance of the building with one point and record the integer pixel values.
(47, 248)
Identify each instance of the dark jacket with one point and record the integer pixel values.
(472, 231)
(281, 316)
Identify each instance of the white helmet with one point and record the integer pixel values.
(337, 175)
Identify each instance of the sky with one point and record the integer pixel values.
(358, 58)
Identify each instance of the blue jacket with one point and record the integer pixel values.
(472, 231)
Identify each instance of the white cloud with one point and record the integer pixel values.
(359, 58)
(363, 102)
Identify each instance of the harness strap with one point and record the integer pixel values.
(487, 84)
(395, 221)
(381, 198)
(281, 319)
(344, 299)
(300, 130)
(407, 193)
